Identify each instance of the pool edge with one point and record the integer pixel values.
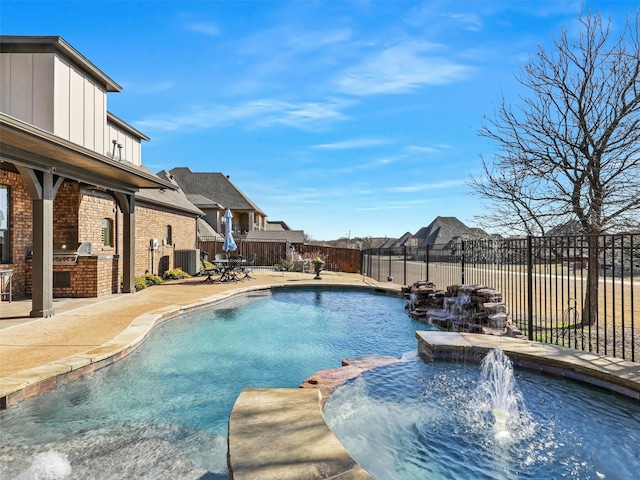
(616, 375)
(32, 382)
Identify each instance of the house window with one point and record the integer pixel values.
(107, 232)
(168, 237)
(5, 245)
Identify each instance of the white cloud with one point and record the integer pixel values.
(470, 21)
(427, 186)
(416, 150)
(392, 205)
(297, 115)
(402, 68)
(261, 113)
(208, 28)
(352, 144)
(383, 207)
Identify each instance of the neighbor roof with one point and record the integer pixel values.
(293, 236)
(214, 186)
(402, 240)
(277, 225)
(441, 231)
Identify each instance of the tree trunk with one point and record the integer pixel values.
(590, 307)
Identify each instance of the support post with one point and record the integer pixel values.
(529, 287)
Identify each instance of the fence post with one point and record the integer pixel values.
(462, 261)
(405, 264)
(426, 261)
(530, 287)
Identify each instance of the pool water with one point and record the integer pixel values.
(162, 412)
(418, 420)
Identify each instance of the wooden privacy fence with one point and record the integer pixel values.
(271, 252)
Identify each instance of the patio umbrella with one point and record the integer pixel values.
(229, 243)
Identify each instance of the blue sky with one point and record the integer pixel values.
(341, 118)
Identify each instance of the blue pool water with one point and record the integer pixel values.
(163, 411)
(418, 420)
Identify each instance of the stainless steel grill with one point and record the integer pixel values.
(68, 253)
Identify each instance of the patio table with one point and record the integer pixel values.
(228, 270)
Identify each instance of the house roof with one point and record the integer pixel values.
(170, 199)
(203, 202)
(122, 125)
(442, 231)
(207, 231)
(402, 240)
(56, 44)
(293, 236)
(572, 227)
(388, 243)
(32, 147)
(214, 186)
(277, 225)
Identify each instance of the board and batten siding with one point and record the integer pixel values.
(48, 92)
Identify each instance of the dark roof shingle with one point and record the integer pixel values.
(214, 186)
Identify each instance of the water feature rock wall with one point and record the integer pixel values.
(327, 380)
(461, 308)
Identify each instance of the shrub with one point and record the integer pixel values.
(139, 283)
(175, 274)
(151, 279)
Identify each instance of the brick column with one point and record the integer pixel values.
(42, 188)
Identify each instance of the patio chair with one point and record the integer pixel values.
(219, 266)
(234, 268)
(247, 267)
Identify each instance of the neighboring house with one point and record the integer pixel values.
(388, 243)
(395, 242)
(442, 231)
(572, 227)
(72, 181)
(277, 225)
(402, 241)
(214, 193)
(206, 233)
(291, 236)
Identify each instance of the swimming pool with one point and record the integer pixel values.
(416, 420)
(162, 412)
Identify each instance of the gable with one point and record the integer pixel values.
(214, 186)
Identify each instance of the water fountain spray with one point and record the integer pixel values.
(498, 383)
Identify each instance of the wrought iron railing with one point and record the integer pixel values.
(578, 291)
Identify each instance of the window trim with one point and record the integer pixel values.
(107, 231)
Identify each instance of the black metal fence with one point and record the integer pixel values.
(578, 291)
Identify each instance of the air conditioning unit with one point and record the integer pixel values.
(153, 244)
(187, 260)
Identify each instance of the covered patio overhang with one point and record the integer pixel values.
(44, 161)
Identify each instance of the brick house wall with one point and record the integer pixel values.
(20, 228)
(65, 209)
(151, 223)
(78, 213)
(93, 208)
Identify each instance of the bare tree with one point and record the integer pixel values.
(571, 148)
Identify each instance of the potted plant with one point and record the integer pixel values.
(317, 265)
